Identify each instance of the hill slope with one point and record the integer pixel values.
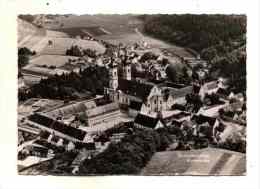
(26, 30)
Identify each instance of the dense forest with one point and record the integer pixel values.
(196, 31)
(219, 39)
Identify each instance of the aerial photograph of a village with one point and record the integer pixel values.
(131, 94)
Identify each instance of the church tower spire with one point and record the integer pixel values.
(113, 75)
(127, 69)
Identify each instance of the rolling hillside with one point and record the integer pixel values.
(31, 36)
(27, 30)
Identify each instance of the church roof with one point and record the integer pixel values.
(182, 92)
(102, 110)
(135, 88)
(72, 109)
(58, 126)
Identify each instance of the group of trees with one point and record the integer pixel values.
(178, 75)
(148, 56)
(232, 66)
(23, 56)
(235, 142)
(128, 156)
(91, 80)
(75, 50)
(27, 17)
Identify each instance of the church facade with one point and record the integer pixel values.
(126, 90)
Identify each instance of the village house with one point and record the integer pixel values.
(175, 116)
(205, 126)
(147, 122)
(178, 95)
(211, 87)
(134, 108)
(39, 151)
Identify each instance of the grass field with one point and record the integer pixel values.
(58, 34)
(50, 60)
(82, 31)
(207, 161)
(34, 42)
(115, 24)
(60, 45)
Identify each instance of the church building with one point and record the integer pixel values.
(126, 90)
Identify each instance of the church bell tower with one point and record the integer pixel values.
(127, 70)
(113, 75)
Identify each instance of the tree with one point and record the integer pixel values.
(208, 53)
(74, 50)
(171, 73)
(148, 56)
(23, 60)
(27, 17)
(89, 52)
(23, 56)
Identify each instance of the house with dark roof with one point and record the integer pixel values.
(147, 122)
(134, 108)
(60, 129)
(222, 93)
(179, 95)
(206, 126)
(212, 87)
